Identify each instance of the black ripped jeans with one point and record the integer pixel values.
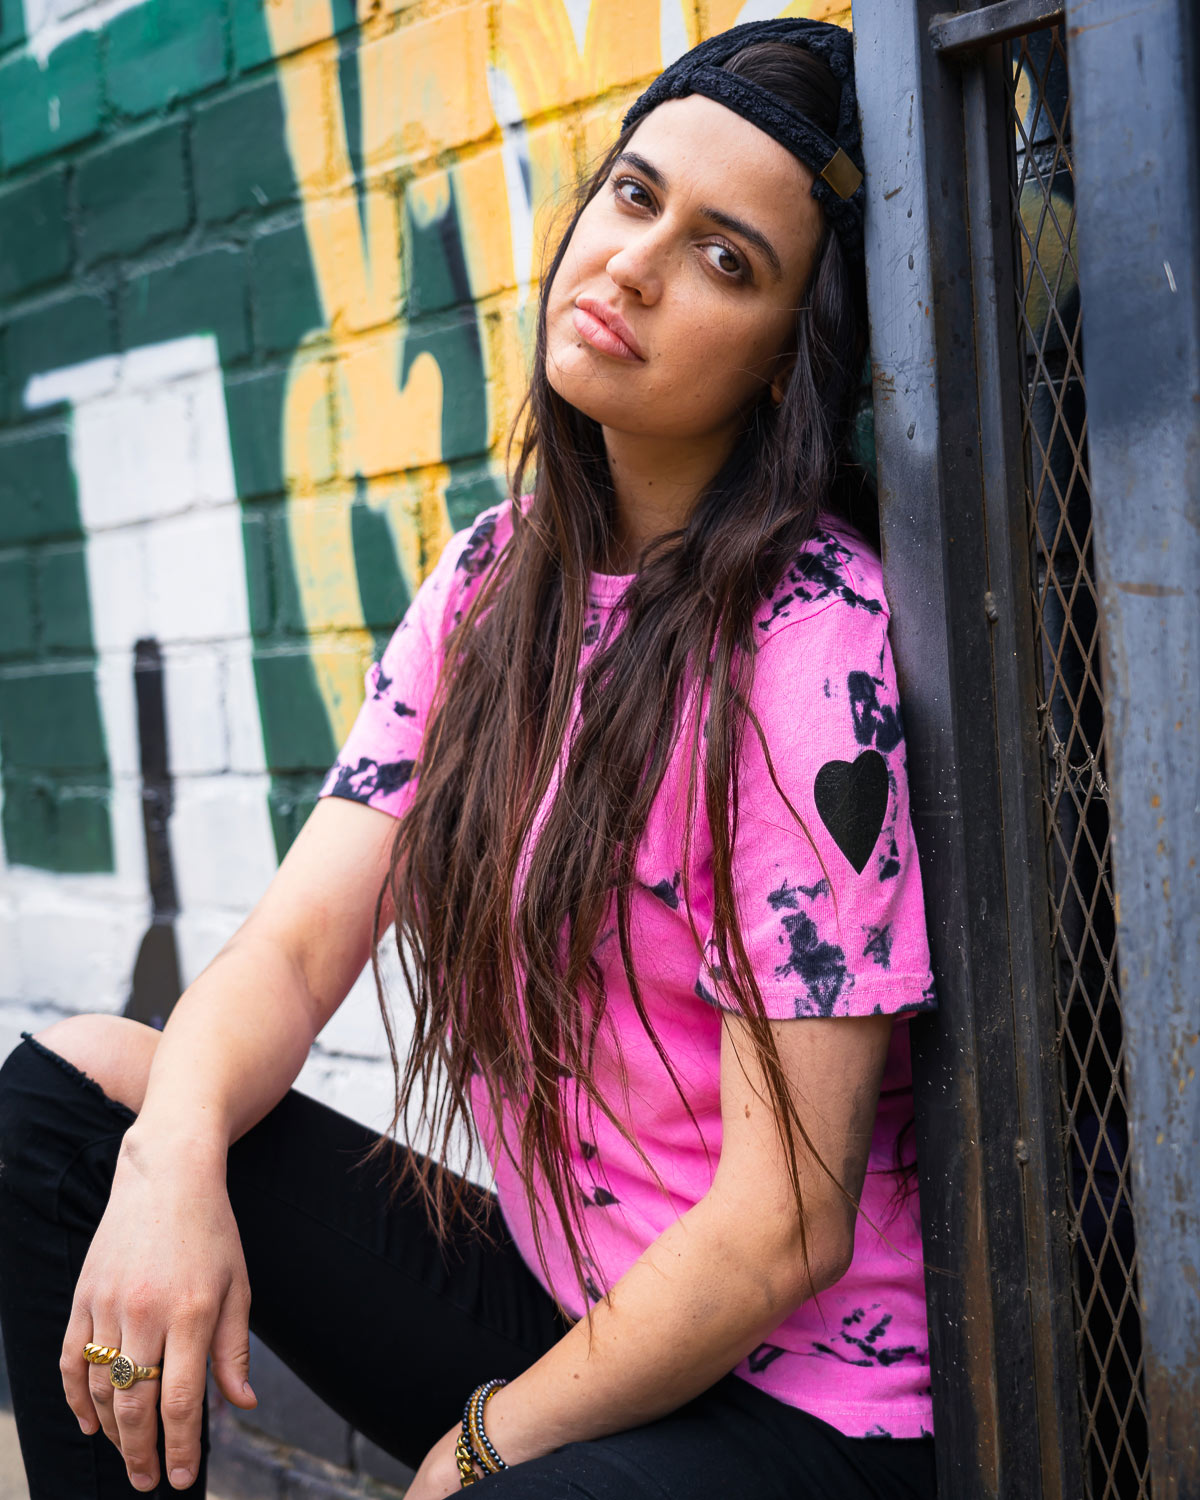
(357, 1297)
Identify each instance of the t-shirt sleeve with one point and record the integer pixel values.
(835, 925)
(376, 763)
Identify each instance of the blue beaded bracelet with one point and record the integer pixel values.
(473, 1430)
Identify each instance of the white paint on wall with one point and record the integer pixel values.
(165, 557)
(759, 10)
(158, 502)
(578, 13)
(672, 31)
(514, 155)
(49, 23)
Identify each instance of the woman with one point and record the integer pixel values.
(629, 784)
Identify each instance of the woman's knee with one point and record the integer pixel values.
(113, 1050)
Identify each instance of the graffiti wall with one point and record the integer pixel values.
(267, 275)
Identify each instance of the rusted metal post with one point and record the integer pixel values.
(1135, 82)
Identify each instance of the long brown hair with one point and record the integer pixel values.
(497, 939)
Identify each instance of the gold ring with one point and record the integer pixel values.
(99, 1354)
(124, 1372)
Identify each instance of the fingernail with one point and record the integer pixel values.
(141, 1481)
(86, 1427)
(181, 1478)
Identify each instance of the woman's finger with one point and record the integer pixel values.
(106, 1324)
(101, 1392)
(136, 1406)
(231, 1347)
(183, 1381)
(74, 1368)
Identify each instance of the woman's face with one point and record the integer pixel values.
(674, 306)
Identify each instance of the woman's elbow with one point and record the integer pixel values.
(796, 1263)
(790, 1258)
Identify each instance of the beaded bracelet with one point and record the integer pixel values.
(473, 1445)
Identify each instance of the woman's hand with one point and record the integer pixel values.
(438, 1475)
(164, 1281)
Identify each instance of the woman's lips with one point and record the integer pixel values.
(605, 330)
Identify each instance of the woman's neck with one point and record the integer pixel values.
(656, 486)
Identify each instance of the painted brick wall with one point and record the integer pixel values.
(265, 296)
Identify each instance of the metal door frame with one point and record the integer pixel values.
(950, 464)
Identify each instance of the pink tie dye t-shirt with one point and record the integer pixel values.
(846, 941)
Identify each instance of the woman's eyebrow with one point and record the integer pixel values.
(747, 232)
(727, 221)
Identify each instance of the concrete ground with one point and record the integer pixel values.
(12, 1473)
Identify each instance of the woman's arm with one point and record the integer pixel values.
(240, 1033)
(164, 1276)
(716, 1283)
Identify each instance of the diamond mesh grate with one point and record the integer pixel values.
(1075, 792)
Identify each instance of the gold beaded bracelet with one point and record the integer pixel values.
(474, 1451)
(487, 1456)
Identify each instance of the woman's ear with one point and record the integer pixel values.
(783, 373)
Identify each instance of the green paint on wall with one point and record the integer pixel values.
(294, 737)
(282, 263)
(256, 294)
(132, 193)
(351, 97)
(229, 178)
(260, 573)
(161, 51)
(438, 278)
(53, 756)
(35, 239)
(63, 332)
(203, 293)
(56, 775)
(248, 32)
(292, 799)
(12, 22)
(473, 487)
(254, 405)
(16, 606)
(232, 179)
(37, 488)
(381, 585)
(51, 717)
(43, 110)
(454, 343)
(64, 604)
(57, 826)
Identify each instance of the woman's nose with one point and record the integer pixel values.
(637, 267)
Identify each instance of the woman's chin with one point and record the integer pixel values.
(599, 393)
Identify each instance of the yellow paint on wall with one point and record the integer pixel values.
(385, 428)
(382, 427)
(305, 23)
(415, 506)
(721, 14)
(424, 88)
(501, 106)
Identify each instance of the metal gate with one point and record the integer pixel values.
(1089, 1035)
(1002, 576)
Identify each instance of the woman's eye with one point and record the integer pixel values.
(631, 191)
(725, 260)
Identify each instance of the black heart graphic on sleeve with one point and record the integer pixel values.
(851, 797)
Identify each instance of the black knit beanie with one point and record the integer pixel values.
(836, 160)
